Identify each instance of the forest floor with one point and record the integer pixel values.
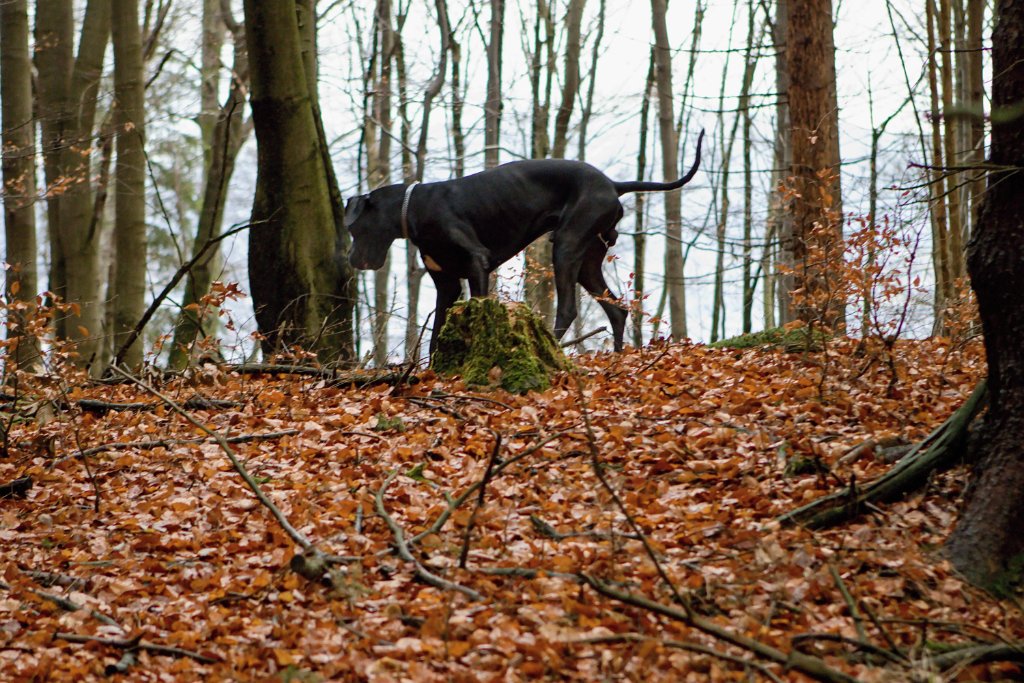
(703, 449)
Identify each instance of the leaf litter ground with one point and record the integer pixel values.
(698, 443)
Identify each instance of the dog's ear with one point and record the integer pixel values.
(354, 208)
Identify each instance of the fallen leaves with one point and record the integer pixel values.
(695, 441)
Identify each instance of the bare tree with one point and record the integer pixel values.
(19, 173)
(66, 104)
(224, 131)
(674, 263)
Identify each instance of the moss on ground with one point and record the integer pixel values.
(794, 340)
(488, 342)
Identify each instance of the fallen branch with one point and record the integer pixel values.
(977, 654)
(336, 377)
(167, 443)
(92, 405)
(137, 644)
(939, 449)
(403, 548)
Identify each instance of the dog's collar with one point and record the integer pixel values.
(405, 208)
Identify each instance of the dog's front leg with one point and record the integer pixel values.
(448, 291)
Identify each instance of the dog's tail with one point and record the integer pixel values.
(642, 186)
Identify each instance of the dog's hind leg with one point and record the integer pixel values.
(592, 279)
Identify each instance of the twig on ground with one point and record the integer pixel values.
(402, 547)
(546, 529)
(862, 645)
(292, 532)
(804, 663)
(488, 473)
(678, 645)
(850, 603)
(456, 503)
(72, 606)
(136, 643)
(583, 338)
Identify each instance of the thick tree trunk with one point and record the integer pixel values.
(130, 170)
(951, 123)
(987, 545)
(293, 268)
(814, 138)
(68, 88)
(19, 173)
(674, 263)
(226, 137)
(379, 169)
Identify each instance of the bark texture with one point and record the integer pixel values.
(987, 545)
(294, 273)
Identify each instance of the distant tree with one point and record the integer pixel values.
(19, 173)
(299, 282)
(987, 545)
(674, 262)
(224, 130)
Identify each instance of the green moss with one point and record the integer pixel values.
(487, 342)
(794, 341)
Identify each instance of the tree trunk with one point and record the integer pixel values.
(19, 175)
(780, 220)
(492, 107)
(299, 295)
(640, 238)
(226, 137)
(68, 88)
(940, 239)
(814, 138)
(674, 277)
(130, 173)
(987, 545)
(378, 169)
(976, 103)
(956, 246)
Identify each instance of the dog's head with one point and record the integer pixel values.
(373, 220)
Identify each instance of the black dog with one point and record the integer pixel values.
(467, 227)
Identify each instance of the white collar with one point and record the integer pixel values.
(405, 208)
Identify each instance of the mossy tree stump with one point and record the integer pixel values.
(489, 342)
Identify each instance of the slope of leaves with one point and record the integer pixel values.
(173, 549)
